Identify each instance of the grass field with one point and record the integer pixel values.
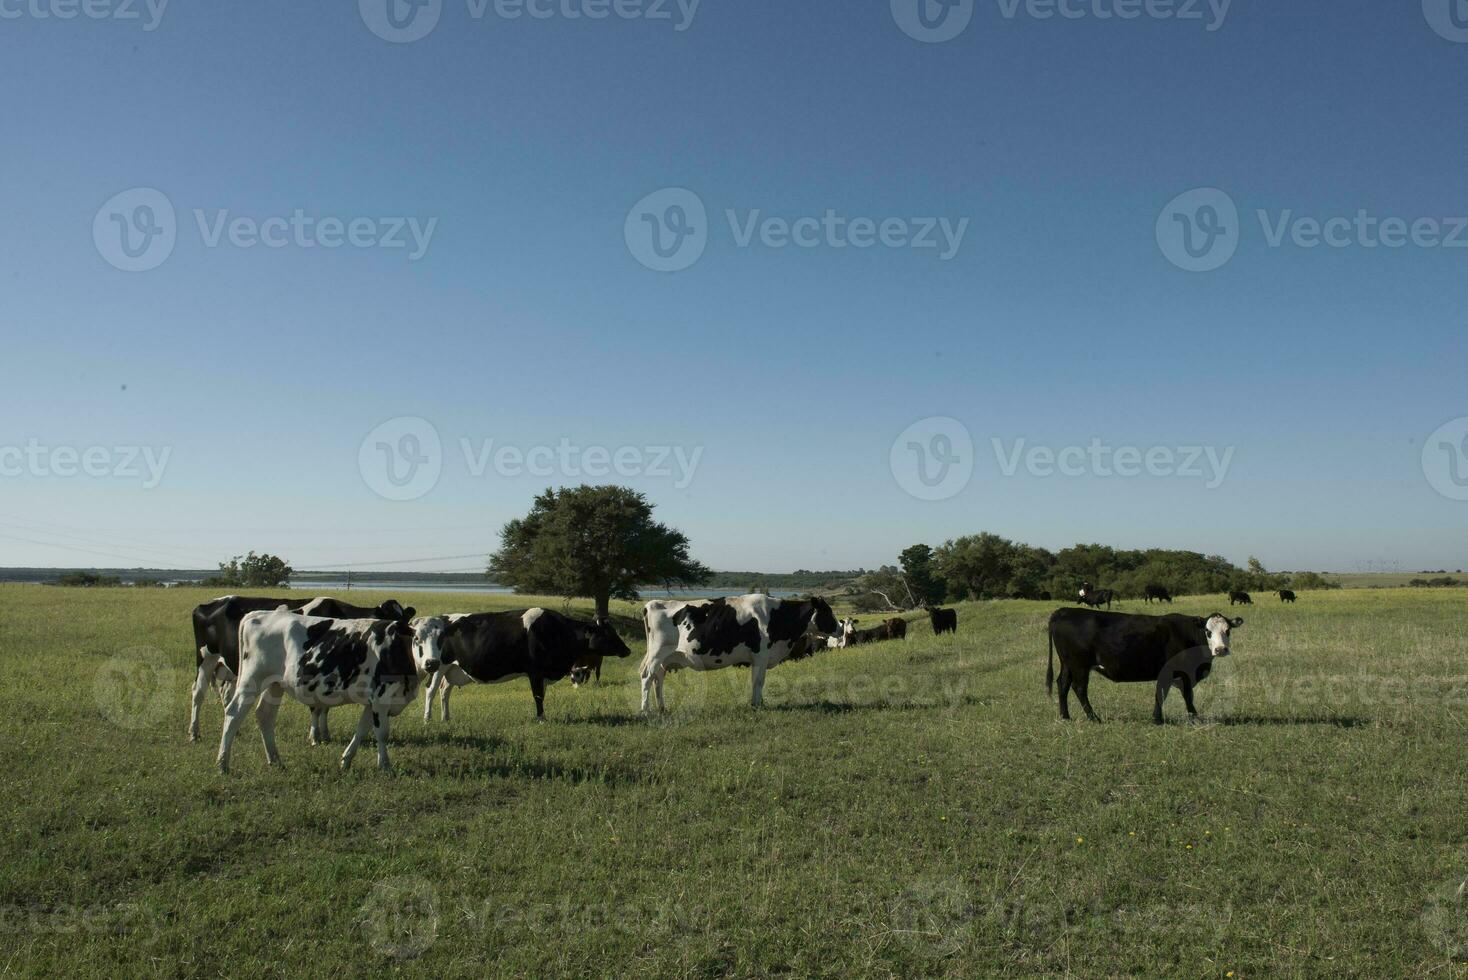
(904, 809)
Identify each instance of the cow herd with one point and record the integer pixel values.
(326, 653)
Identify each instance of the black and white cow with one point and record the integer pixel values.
(324, 663)
(1285, 595)
(1096, 598)
(1126, 648)
(1240, 598)
(217, 651)
(943, 620)
(889, 629)
(1157, 592)
(754, 631)
(538, 644)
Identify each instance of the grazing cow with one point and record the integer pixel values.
(1125, 648)
(538, 644)
(755, 631)
(1045, 596)
(1157, 592)
(943, 620)
(889, 629)
(1096, 598)
(1285, 595)
(324, 663)
(217, 650)
(1240, 598)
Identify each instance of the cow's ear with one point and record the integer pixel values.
(409, 613)
(1237, 622)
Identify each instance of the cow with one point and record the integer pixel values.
(324, 663)
(1095, 598)
(540, 645)
(1157, 592)
(1240, 598)
(943, 620)
(1045, 596)
(217, 651)
(889, 629)
(1285, 595)
(755, 631)
(1125, 648)
(1187, 670)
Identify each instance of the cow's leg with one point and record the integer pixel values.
(537, 688)
(380, 722)
(1186, 683)
(757, 669)
(201, 688)
(234, 714)
(429, 690)
(1083, 684)
(265, 713)
(1064, 684)
(649, 674)
(448, 688)
(364, 725)
(660, 675)
(1164, 684)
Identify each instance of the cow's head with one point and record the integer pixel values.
(603, 641)
(393, 610)
(1216, 628)
(847, 631)
(427, 637)
(822, 619)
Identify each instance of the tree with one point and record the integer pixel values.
(597, 542)
(252, 571)
(883, 590)
(977, 566)
(928, 588)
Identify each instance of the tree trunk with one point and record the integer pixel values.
(603, 606)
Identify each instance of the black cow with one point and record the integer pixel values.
(943, 620)
(328, 608)
(1285, 595)
(539, 644)
(1045, 597)
(1125, 648)
(1157, 592)
(1096, 598)
(1187, 670)
(217, 650)
(888, 629)
(1240, 598)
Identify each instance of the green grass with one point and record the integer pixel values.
(902, 809)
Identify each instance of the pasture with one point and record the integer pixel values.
(907, 808)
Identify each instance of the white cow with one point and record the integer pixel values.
(754, 631)
(324, 663)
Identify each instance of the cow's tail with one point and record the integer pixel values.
(1050, 669)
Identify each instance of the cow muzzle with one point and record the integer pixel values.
(430, 665)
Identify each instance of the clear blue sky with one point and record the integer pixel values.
(529, 320)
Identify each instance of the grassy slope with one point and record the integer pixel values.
(898, 809)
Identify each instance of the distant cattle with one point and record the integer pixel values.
(943, 620)
(755, 631)
(1157, 592)
(1045, 597)
(540, 645)
(1125, 648)
(890, 629)
(1285, 595)
(324, 663)
(1240, 599)
(1095, 598)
